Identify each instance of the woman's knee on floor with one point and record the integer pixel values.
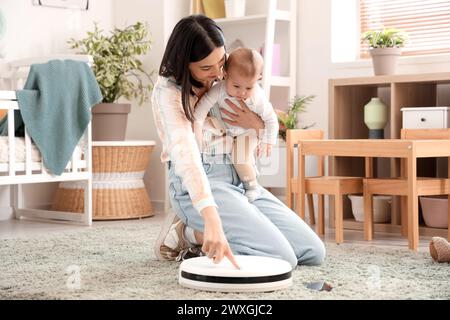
(287, 255)
(314, 255)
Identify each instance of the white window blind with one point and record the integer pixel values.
(427, 23)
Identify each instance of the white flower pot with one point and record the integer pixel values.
(385, 60)
(381, 208)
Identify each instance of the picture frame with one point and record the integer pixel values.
(64, 4)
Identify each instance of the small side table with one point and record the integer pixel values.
(118, 190)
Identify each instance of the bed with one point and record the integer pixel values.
(20, 159)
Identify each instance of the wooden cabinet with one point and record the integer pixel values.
(347, 98)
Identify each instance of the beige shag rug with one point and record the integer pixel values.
(117, 262)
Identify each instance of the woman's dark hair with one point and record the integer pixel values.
(192, 40)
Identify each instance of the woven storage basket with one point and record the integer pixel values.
(118, 190)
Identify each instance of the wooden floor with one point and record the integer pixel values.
(15, 229)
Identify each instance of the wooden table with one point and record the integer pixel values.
(410, 150)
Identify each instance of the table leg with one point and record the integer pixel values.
(368, 214)
(289, 172)
(339, 216)
(368, 167)
(368, 202)
(312, 220)
(321, 214)
(300, 203)
(448, 226)
(413, 208)
(403, 202)
(320, 198)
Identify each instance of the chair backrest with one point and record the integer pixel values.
(427, 167)
(425, 134)
(293, 136)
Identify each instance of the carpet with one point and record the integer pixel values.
(117, 262)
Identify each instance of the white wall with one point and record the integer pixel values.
(37, 31)
(314, 56)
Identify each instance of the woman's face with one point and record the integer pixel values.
(210, 68)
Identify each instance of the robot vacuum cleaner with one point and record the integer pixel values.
(256, 274)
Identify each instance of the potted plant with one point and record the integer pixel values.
(385, 48)
(289, 120)
(119, 73)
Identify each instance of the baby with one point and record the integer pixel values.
(242, 72)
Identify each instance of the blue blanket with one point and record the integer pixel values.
(55, 106)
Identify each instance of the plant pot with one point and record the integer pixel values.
(109, 121)
(381, 208)
(435, 211)
(385, 60)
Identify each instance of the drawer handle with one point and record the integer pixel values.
(423, 119)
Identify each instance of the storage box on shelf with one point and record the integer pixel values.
(425, 118)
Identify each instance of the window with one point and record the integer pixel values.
(344, 30)
(427, 23)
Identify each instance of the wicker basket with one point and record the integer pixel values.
(118, 190)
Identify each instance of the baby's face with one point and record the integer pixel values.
(238, 86)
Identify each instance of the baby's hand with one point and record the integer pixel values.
(264, 149)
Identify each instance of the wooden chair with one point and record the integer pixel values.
(320, 185)
(398, 187)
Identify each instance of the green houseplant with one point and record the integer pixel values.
(119, 73)
(289, 120)
(385, 48)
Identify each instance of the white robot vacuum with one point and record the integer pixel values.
(256, 274)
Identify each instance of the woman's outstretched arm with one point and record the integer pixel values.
(175, 131)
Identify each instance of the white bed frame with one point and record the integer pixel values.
(16, 174)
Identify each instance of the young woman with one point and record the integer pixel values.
(212, 212)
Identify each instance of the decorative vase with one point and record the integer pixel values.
(375, 118)
(385, 60)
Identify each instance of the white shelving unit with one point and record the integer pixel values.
(265, 24)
